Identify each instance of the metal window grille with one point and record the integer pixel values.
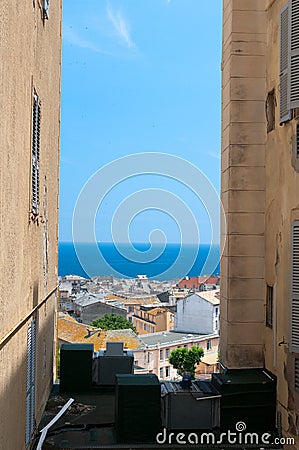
(295, 288)
(36, 118)
(30, 381)
(269, 306)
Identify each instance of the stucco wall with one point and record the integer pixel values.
(30, 59)
(282, 207)
(243, 182)
(194, 315)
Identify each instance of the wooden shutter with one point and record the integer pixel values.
(36, 116)
(284, 113)
(295, 288)
(30, 382)
(294, 55)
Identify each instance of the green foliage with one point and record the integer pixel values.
(184, 360)
(113, 322)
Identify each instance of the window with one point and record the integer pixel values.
(30, 380)
(161, 372)
(209, 345)
(144, 326)
(36, 116)
(216, 311)
(297, 140)
(161, 355)
(270, 111)
(269, 306)
(295, 288)
(136, 362)
(46, 9)
(148, 357)
(167, 353)
(167, 371)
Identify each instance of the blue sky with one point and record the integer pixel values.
(139, 76)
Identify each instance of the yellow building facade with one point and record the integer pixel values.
(260, 194)
(30, 43)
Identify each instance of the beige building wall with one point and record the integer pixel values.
(243, 182)
(260, 192)
(30, 49)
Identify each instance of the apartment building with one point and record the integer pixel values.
(152, 319)
(154, 350)
(30, 41)
(198, 313)
(260, 187)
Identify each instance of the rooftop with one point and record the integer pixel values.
(73, 332)
(171, 337)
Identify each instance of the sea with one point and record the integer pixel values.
(126, 261)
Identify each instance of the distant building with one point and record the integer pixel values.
(198, 283)
(148, 319)
(198, 313)
(154, 351)
(177, 294)
(72, 284)
(88, 307)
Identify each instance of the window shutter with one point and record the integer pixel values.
(46, 8)
(30, 382)
(284, 45)
(294, 55)
(295, 288)
(35, 152)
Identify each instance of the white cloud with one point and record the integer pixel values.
(214, 155)
(73, 38)
(120, 25)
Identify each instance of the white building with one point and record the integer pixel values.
(154, 351)
(198, 313)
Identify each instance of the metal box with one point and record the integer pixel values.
(249, 396)
(107, 363)
(76, 367)
(196, 408)
(137, 408)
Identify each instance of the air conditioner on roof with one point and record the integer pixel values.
(114, 360)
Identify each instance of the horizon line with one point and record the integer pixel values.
(139, 242)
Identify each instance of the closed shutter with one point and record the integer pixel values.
(30, 382)
(294, 55)
(295, 288)
(36, 117)
(284, 113)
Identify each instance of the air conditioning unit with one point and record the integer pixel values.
(114, 360)
(196, 407)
